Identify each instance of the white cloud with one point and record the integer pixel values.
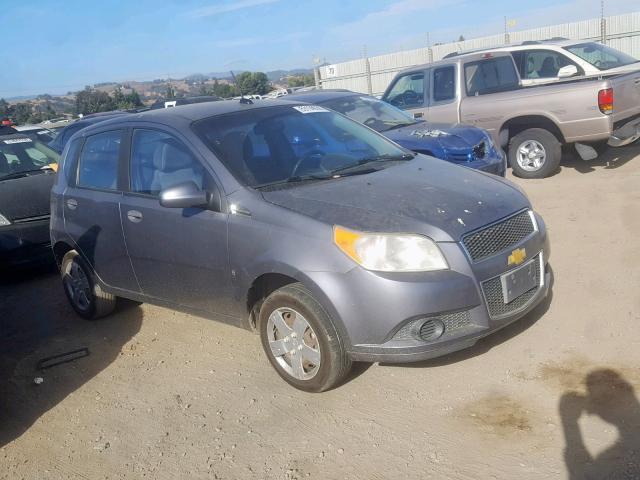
(213, 10)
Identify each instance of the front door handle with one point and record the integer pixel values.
(134, 216)
(72, 203)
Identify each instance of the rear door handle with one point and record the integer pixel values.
(72, 203)
(134, 216)
(418, 115)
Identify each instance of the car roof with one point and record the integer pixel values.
(526, 45)
(195, 111)
(317, 96)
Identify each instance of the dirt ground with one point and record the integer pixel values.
(165, 395)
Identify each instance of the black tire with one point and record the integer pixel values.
(335, 362)
(98, 302)
(552, 150)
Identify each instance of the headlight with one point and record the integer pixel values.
(385, 252)
(4, 221)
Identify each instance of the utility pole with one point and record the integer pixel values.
(603, 24)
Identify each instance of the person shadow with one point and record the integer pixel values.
(612, 398)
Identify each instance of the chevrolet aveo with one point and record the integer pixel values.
(332, 242)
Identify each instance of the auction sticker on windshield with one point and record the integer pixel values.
(18, 140)
(310, 109)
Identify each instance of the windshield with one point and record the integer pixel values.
(288, 143)
(601, 56)
(22, 154)
(374, 113)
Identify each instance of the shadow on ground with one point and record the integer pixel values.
(36, 322)
(610, 159)
(611, 397)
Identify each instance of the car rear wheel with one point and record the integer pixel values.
(301, 341)
(85, 295)
(534, 153)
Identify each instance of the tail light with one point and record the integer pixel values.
(605, 101)
(6, 123)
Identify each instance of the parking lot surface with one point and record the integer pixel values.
(166, 395)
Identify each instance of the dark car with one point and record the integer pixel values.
(27, 173)
(333, 242)
(460, 144)
(67, 132)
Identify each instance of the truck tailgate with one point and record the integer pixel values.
(626, 97)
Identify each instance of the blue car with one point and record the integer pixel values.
(460, 144)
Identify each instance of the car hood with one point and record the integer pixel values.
(440, 139)
(26, 197)
(424, 195)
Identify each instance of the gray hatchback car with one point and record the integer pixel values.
(331, 241)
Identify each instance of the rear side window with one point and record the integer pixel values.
(490, 76)
(407, 92)
(99, 161)
(534, 64)
(69, 157)
(444, 84)
(160, 161)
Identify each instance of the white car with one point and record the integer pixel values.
(551, 60)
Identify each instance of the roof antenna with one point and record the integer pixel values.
(244, 101)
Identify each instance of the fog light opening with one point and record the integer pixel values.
(431, 329)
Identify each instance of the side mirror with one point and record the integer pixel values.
(567, 71)
(184, 195)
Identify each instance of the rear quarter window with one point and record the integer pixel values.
(490, 76)
(69, 158)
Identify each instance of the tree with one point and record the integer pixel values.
(93, 101)
(254, 83)
(5, 109)
(222, 90)
(126, 101)
(22, 113)
(461, 38)
(303, 80)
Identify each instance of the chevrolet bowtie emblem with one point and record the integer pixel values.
(517, 256)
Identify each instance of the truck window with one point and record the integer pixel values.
(490, 76)
(407, 92)
(534, 64)
(444, 84)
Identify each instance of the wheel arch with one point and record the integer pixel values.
(519, 124)
(60, 249)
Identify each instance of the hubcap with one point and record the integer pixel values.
(531, 155)
(293, 343)
(77, 285)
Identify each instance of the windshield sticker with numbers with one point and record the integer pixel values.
(18, 140)
(310, 109)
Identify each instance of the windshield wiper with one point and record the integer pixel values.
(370, 160)
(24, 173)
(399, 125)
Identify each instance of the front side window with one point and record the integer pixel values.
(490, 76)
(444, 84)
(540, 63)
(601, 56)
(160, 161)
(372, 112)
(22, 154)
(98, 166)
(292, 143)
(407, 92)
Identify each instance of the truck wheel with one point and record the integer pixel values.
(534, 153)
(301, 341)
(85, 295)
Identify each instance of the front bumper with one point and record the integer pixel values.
(374, 308)
(25, 242)
(494, 162)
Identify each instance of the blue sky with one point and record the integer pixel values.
(55, 46)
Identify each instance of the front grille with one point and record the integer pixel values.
(492, 290)
(426, 328)
(498, 237)
(479, 151)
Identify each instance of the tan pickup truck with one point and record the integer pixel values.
(531, 123)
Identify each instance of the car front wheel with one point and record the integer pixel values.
(301, 341)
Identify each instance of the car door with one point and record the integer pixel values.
(179, 255)
(407, 92)
(443, 105)
(92, 210)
